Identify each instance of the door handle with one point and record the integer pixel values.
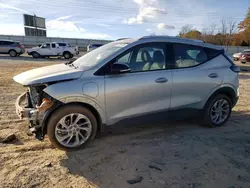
(161, 80)
(213, 75)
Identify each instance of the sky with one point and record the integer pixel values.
(113, 19)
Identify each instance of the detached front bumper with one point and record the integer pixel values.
(25, 112)
(35, 116)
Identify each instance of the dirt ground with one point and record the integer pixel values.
(180, 154)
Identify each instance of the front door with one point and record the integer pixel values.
(45, 50)
(145, 90)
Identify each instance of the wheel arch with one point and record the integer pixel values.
(48, 114)
(66, 51)
(12, 50)
(228, 91)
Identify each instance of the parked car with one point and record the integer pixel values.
(13, 48)
(245, 57)
(147, 79)
(54, 49)
(237, 56)
(91, 47)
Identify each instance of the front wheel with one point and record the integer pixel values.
(71, 127)
(217, 111)
(35, 55)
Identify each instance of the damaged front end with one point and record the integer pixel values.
(34, 105)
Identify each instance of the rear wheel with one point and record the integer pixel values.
(243, 62)
(67, 55)
(71, 127)
(12, 53)
(217, 111)
(35, 55)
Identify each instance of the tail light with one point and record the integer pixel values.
(19, 46)
(235, 68)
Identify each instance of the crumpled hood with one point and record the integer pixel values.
(34, 48)
(48, 74)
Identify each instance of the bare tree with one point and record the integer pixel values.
(185, 29)
(208, 34)
(227, 29)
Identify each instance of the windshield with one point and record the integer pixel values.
(96, 56)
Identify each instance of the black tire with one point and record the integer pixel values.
(60, 113)
(71, 56)
(35, 55)
(12, 53)
(243, 62)
(67, 55)
(207, 118)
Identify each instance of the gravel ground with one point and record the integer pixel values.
(173, 154)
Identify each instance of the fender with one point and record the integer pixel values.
(227, 89)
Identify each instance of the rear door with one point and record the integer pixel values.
(5, 46)
(142, 91)
(195, 74)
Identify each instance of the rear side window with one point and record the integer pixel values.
(212, 53)
(53, 45)
(6, 43)
(189, 55)
(62, 44)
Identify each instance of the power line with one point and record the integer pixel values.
(112, 9)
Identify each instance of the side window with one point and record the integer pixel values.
(53, 45)
(145, 57)
(61, 44)
(189, 55)
(47, 45)
(212, 53)
(125, 58)
(6, 43)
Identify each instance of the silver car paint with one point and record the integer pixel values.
(48, 74)
(116, 97)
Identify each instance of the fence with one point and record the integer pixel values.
(30, 41)
(235, 49)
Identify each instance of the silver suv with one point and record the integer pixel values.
(13, 48)
(148, 78)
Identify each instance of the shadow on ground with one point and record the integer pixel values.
(179, 154)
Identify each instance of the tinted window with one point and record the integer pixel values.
(189, 55)
(96, 45)
(62, 44)
(53, 45)
(6, 42)
(212, 53)
(147, 57)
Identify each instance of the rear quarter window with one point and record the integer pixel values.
(212, 53)
(189, 55)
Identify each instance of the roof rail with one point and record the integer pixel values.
(171, 37)
(122, 39)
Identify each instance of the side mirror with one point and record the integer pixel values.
(118, 68)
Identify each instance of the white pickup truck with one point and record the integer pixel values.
(54, 49)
